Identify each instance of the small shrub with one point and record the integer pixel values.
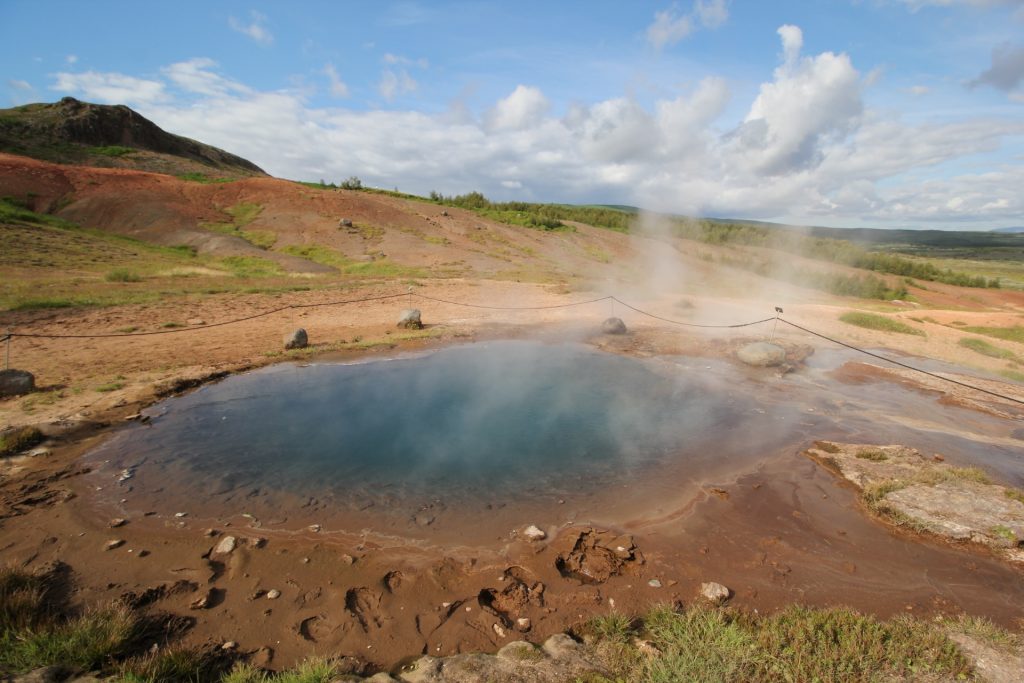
(123, 275)
(872, 321)
(351, 183)
(19, 439)
(827, 446)
(110, 386)
(872, 454)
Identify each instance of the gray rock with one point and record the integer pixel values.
(762, 354)
(410, 319)
(345, 223)
(714, 592)
(382, 677)
(613, 326)
(48, 674)
(296, 340)
(16, 382)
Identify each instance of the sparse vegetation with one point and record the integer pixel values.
(701, 643)
(1013, 334)
(19, 439)
(873, 321)
(986, 349)
(250, 266)
(196, 177)
(113, 151)
(873, 455)
(123, 275)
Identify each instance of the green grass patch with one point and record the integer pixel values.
(1015, 375)
(335, 259)
(110, 386)
(264, 239)
(1013, 334)
(123, 275)
(113, 151)
(250, 266)
(1014, 494)
(316, 670)
(873, 321)
(701, 643)
(244, 213)
(986, 349)
(202, 178)
(19, 439)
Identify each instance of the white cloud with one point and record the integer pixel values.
(918, 90)
(197, 76)
(394, 83)
(256, 29)
(671, 25)
(390, 58)
(524, 108)
(669, 28)
(71, 59)
(712, 13)
(337, 87)
(810, 101)
(112, 88)
(19, 84)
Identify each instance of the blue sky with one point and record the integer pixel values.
(882, 113)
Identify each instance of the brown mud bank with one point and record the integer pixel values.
(759, 518)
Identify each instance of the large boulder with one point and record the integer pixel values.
(762, 354)
(613, 326)
(296, 340)
(16, 382)
(410, 319)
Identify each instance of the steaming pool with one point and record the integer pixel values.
(496, 429)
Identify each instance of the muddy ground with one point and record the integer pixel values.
(775, 532)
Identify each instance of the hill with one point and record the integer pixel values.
(81, 133)
(1019, 228)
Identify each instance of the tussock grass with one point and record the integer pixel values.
(702, 643)
(85, 642)
(873, 455)
(873, 321)
(984, 630)
(315, 670)
(174, 663)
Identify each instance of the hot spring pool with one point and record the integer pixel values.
(478, 431)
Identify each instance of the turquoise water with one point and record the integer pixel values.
(479, 419)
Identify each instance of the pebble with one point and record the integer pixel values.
(117, 521)
(273, 594)
(315, 528)
(181, 514)
(210, 533)
(498, 630)
(347, 559)
(523, 624)
(116, 543)
(226, 545)
(230, 645)
(38, 452)
(654, 583)
(534, 533)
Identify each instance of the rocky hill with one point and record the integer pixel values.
(81, 133)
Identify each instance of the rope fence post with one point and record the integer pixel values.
(7, 355)
(778, 312)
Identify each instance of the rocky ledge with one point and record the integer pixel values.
(928, 495)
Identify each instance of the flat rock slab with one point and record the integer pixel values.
(762, 354)
(560, 659)
(930, 495)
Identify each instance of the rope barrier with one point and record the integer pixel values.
(903, 365)
(611, 298)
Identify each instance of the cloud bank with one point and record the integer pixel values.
(807, 149)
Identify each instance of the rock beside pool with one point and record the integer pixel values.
(762, 354)
(925, 494)
(16, 382)
(560, 658)
(714, 592)
(296, 340)
(410, 319)
(593, 555)
(613, 326)
(534, 533)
